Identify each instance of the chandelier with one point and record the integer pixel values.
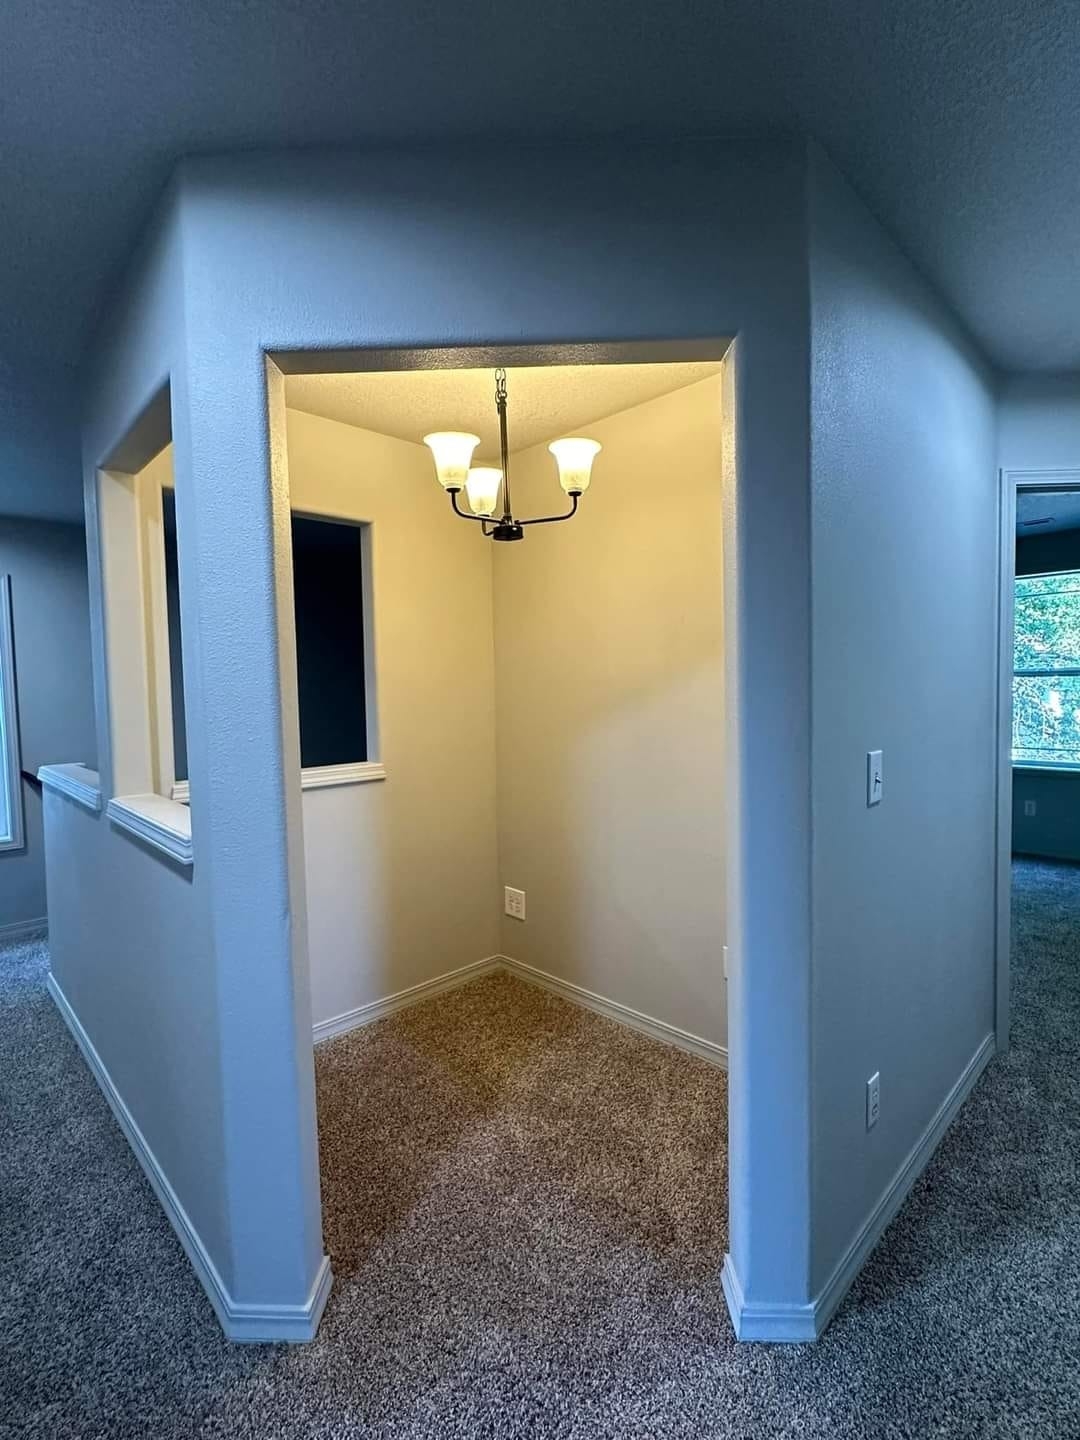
(453, 452)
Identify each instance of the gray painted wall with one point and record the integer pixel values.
(653, 242)
(619, 242)
(1039, 422)
(130, 940)
(40, 474)
(703, 240)
(50, 612)
(903, 427)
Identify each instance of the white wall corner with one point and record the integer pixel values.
(402, 999)
(707, 1050)
(771, 1323)
(241, 1321)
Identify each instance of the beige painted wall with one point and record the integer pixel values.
(609, 717)
(402, 882)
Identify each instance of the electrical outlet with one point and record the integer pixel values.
(1030, 808)
(514, 902)
(873, 1099)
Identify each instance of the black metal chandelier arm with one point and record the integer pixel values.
(554, 519)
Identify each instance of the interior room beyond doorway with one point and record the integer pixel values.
(550, 714)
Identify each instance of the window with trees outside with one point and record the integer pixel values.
(1046, 670)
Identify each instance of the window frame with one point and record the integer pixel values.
(14, 838)
(152, 529)
(1064, 671)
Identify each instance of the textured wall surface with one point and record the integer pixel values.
(904, 893)
(50, 613)
(695, 242)
(609, 663)
(655, 243)
(400, 874)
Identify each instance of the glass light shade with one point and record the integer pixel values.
(453, 451)
(574, 457)
(482, 488)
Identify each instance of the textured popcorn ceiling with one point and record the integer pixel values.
(957, 121)
(544, 403)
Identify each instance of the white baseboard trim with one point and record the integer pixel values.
(426, 990)
(776, 1324)
(622, 1014)
(240, 1320)
(798, 1322)
(24, 930)
(899, 1187)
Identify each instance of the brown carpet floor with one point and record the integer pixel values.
(526, 1205)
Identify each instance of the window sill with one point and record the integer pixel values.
(316, 777)
(1046, 767)
(160, 823)
(76, 782)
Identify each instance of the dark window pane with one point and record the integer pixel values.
(176, 658)
(328, 583)
(327, 578)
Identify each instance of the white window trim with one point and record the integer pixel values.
(315, 777)
(76, 782)
(319, 777)
(10, 751)
(162, 824)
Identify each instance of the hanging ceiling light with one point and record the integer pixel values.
(453, 452)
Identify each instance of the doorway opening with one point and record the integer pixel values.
(533, 886)
(1039, 721)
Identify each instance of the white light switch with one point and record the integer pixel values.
(875, 777)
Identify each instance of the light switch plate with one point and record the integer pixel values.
(875, 777)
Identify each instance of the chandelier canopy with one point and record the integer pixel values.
(453, 452)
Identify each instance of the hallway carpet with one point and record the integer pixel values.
(525, 1206)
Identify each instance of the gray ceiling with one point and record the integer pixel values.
(1044, 512)
(957, 119)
